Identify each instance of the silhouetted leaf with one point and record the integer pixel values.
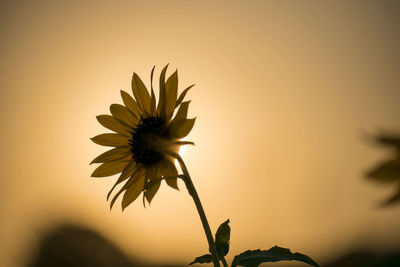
(395, 199)
(389, 140)
(207, 258)
(388, 171)
(253, 258)
(222, 238)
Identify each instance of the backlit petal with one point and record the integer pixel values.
(152, 191)
(113, 155)
(182, 96)
(182, 111)
(122, 114)
(162, 95)
(170, 173)
(109, 168)
(130, 170)
(182, 127)
(141, 94)
(171, 89)
(111, 123)
(153, 96)
(129, 183)
(132, 193)
(131, 104)
(111, 139)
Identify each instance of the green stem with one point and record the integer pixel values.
(224, 261)
(192, 191)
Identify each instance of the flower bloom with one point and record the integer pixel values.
(146, 136)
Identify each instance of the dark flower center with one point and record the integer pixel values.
(145, 137)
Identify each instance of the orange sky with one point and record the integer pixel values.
(284, 93)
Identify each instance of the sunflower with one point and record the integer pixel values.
(146, 137)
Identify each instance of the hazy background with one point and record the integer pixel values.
(285, 91)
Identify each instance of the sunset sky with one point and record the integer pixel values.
(286, 94)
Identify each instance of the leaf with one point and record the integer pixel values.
(388, 171)
(389, 140)
(222, 238)
(253, 258)
(207, 258)
(395, 199)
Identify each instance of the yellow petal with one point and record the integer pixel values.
(153, 96)
(172, 182)
(141, 94)
(113, 155)
(182, 127)
(129, 183)
(182, 111)
(152, 191)
(122, 114)
(170, 173)
(132, 193)
(182, 96)
(131, 104)
(171, 89)
(162, 94)
(111, 123)
(130, 170)
(111, 139)
(109, 168)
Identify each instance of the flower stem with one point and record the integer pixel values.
(192, 191)
(224, 261)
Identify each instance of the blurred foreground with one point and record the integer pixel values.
(70, 246)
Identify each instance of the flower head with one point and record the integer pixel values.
(145, 138)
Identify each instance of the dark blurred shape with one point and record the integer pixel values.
(366, 259)
(72, 246)
(388, 172)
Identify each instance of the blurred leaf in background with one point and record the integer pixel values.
(388, 171)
